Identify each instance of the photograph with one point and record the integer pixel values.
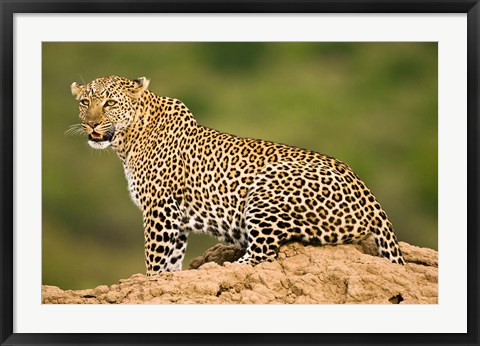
(239, 172)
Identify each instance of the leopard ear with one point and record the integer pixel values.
(139, 86)
(77, 89)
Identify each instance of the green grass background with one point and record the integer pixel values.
(371, 105)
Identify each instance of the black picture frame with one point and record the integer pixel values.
(10, 7)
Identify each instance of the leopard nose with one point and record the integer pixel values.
(92, 124)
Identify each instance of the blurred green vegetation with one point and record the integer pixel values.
(371, 105)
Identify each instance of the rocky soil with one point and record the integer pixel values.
(346, 274)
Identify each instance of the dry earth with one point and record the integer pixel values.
(346, 274)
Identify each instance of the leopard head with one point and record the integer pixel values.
(107, 106)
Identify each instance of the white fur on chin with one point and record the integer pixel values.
(99, 145)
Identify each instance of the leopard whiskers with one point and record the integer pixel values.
(109, 151)
(75, 130)
(95, 152)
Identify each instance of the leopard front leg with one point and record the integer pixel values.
(165, 243)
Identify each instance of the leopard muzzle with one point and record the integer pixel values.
(99, 135)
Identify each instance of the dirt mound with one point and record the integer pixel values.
(302, 274)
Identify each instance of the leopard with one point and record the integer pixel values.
(251, 193)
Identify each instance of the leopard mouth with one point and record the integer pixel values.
(99, 140)
(102, 137)
(98, 137)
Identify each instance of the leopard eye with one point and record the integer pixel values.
(110, 103)
(85, 102)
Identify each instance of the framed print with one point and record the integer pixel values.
(257, 124)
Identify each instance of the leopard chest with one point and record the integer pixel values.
(130, 175)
